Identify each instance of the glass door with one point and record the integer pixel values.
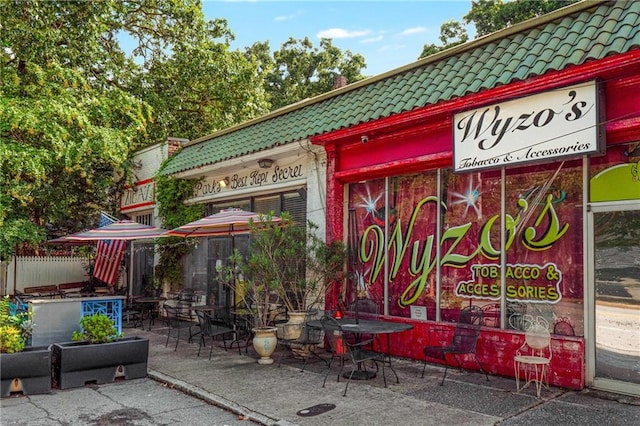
(614, 349)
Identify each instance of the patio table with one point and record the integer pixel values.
(150, 304)
(369, 326)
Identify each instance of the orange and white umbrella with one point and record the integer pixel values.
(226, 222)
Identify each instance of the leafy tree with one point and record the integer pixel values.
(452, 33)
(298, 70)
(489, 16)
(492, 15)
(74, 104)
(171, 195)
(202, 87)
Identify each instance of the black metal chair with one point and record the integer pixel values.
(188, 295)
(178, 321)
(242, 326)
(344, 349)
(465, 338)
(210, 327)
(278, 315)
(302, 347)
(132, 314)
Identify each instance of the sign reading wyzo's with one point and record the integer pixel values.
(550, 125)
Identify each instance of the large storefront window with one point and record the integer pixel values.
(543, 244)
(200, 266)
(470, 248)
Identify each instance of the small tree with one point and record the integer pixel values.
(293, 262)
(255, 295)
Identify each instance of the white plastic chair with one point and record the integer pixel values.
(531, 362)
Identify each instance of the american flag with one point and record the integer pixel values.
(109, 255)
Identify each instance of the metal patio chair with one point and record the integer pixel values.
(346, 350)
(532, 360)
(302, 347)
(176, 320)
(210, 327)
(465, 338)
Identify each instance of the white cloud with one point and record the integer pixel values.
(414, 30)
(373, 39)
(287, 17)
(334, 33)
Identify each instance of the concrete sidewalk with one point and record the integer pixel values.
(274, 395)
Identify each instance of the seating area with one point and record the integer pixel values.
(43, 291)
(55, 291)
(178, 319)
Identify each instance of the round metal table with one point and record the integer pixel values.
(368, 326)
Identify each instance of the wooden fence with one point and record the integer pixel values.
(27, 271)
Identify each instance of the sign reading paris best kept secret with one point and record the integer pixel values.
(556, 124)
(250, 178)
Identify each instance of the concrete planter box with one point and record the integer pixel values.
(28, 371)
(78, 363)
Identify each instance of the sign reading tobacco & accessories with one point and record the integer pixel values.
(551, 125)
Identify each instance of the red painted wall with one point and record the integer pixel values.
(495, 350)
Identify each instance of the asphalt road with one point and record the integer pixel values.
(127, 403)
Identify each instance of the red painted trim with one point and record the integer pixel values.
(410, 165)
(605, 69)
(137, 206)
(139, 183)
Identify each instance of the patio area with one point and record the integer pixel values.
(272, 394)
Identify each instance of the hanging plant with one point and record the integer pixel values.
(171, 194)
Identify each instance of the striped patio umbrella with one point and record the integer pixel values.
(119, 230)
(225, 222)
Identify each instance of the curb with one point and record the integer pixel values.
(214, 399)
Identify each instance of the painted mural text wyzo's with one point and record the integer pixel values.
(535, 283)
(561, 123)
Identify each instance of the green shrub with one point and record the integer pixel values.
(97, 328)
(15, 327)
(11, 339)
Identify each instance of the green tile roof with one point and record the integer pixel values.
(570, 36)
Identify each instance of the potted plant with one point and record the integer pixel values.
(293, 262)
(255, 301)
(98, 354)
(25, 369)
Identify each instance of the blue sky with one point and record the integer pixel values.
(389, 34)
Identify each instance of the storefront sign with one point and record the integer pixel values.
(557, 124)
(142, 194)
(250, 179)
(532, 283)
